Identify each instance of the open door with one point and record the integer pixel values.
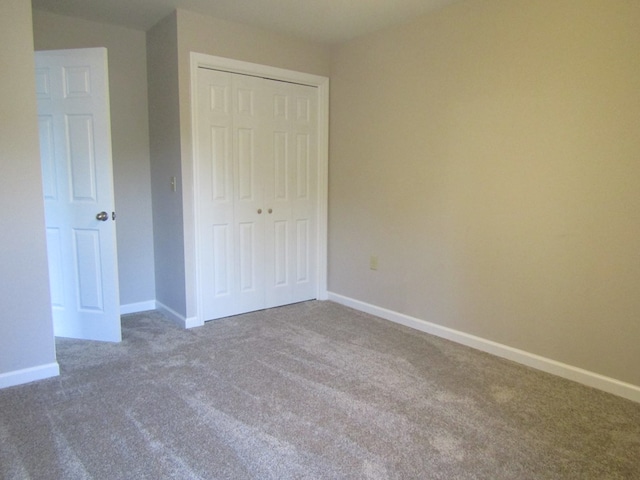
(75, 145)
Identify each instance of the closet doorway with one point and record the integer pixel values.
(260, 187)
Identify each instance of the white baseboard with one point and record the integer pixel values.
(26, 375)
(184, 322)
(192, 322)
(137, 307)
(585, 377)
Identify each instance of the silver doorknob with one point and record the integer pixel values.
(102, 216)
(259, 211)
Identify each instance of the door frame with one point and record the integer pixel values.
(322, 84)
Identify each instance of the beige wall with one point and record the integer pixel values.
(489, 155)
(212, 36)
(129, 134)
(27, 348)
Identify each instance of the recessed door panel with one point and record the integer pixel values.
(280, 107)
(302, 251)
(302, 166)
(245, 102)
(88, 269)
(81, 159)
(77, 81)
(247, 257)
(219, 99)
(303, 109)
(280, 253)
(221, 165)
(222, 260)
(43, 84)
(280, 165)
(48, 158)
(246, 166)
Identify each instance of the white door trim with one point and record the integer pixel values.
(322, 84)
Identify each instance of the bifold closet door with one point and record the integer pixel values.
(291, 194)
(256, 187)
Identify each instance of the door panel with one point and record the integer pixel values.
(302, 251)
(302, 167)
(80, 142)
(298, 207)
(247, 170)
(221, 185)
(249, 211)
(75, 142)
(280, 166)
(247, 248)
(87, 252)
(47, 156)
(280, 253)
(222, 266)
(216, 254)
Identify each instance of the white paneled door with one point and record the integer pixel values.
(257, 192)
(75, 146)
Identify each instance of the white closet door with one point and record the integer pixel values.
(257, 180)
(215, 189)
(250, 140)
(257, 192)
(291, 193)
(230, 228)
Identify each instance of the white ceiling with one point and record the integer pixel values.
(325, 21)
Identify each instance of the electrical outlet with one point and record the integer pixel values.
(373, 262)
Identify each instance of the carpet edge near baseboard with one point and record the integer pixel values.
(569, 372)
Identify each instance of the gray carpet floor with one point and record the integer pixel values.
(313, 390)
